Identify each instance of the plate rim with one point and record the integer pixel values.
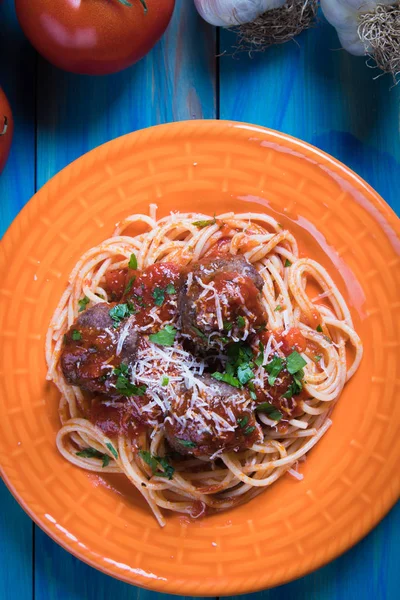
(174, 586)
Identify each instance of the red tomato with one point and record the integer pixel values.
(94, 37)
(6, 129)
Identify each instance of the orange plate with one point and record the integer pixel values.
(351, 478)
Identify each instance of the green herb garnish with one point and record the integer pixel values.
(170, 289)
(164, 380)
(278, 308)
(227, 326)
(241, 322)
(288, 263)
(199, 332)
(129, 285)
(249, 430)
(133, 262)
(112, 450)
(164, 337)
(270, 410)
(186, 443)
(273, 369)
(120, 312)
(202, 224)
(158, 295)
(76, 335)
(317, 357)
(124, 385)
(226, 378)
(155, 462)
(295, 362)
(244, 373)
(242, 422)
(93, 453)
(83, 302)
(319, 328)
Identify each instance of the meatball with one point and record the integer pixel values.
(212, 417)
(94, 347)
(220, 300)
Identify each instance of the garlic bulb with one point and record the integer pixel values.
(345, 15)
(230, 13)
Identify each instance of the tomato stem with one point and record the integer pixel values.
(5, 126)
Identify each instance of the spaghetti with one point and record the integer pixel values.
(209, 411)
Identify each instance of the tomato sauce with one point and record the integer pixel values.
(241, 293)
(114, 420)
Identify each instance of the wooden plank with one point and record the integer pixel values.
(175, 81)
(16, 187)
(322, 96)
(330, 100)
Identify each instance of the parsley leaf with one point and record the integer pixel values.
(133, 262)
(249, 430)
(227, 326)
(274, 368)
(123, 384)
(93, 453)
(226, 378)
(186, 443)
(199, 332)
(295, 362)
(83, 302)
(278, 308)
(129, 284)
(270, 410)
(242, 422)
(288, 263)
(112, 450)
(76, 335)
(164, 380)
(164, 337)
(241, 322)
(244, 373)
(170, 289)
(159, 296)
(119, 312)
(319, 328)
(201, 224)
(317, 357)
(155, 462)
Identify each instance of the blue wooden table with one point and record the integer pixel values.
(313, 91)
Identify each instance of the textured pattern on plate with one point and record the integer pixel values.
(351, 477)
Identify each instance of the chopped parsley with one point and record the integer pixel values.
(270, 410)
(288, 263)
(249, 430)
(241, 322)
(274, 368)
(93, 453)
(201, 224)
(129, 284)
(317, 357)
(83, 302)
(164, 380)
(319, 328)
(155, 462)
(124, 385)
(227, 326)
(278, 308)
(242, 422)
(133, 262)
(186, 443)
(164, 337)
(227, 378)
(76, 335)
(159, 293)
(260, 358)
(295, 362)
(112, 450)
(244, 373)
(170, 289)
(120, 312)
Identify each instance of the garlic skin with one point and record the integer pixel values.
(230, 13)
(344, 16)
